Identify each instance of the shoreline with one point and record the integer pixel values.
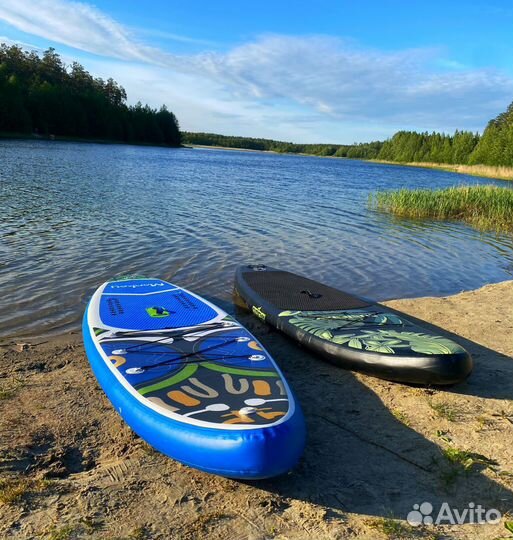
(209, 147)
(60, 138)
(484, 171)
(69, 466)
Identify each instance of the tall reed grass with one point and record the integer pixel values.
(484, 207)
(487, 171)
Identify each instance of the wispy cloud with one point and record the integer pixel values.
(19, 43)
(74, 24)
(317, 80)
(338, 80)
(171, 36)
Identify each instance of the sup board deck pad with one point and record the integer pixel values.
(350, 331)
(173, 363)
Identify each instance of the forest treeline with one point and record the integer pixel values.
(362, 150)
(404, 146)
(41, 95)
(494, 147)
(409, 146)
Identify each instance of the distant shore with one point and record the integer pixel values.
(61, 138)
(486, 171)
(235, 149)
(209, 146)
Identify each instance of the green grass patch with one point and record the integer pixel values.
(13, 490)
(401, 417)
(507, 476)
(443, 435)
(484, 423)
(467, 460)
(460, 462)
(444, 410)
(392, 528)
(484, 207)
(396, 529)
(9, 388)
(139, 533)
(89, 525)
(6, 393)
(62, 533)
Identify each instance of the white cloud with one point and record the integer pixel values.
(326, 75)
(171, 36)
(23, 44)
(74, 24)
(315, 87)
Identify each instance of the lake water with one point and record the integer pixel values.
(74, 215)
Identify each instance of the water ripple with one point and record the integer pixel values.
(74, 215)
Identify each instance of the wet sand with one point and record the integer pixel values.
(70, 468)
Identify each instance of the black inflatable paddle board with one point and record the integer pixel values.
(349, 331)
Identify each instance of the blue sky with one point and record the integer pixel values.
(325, 71)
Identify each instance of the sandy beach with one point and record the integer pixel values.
(70, 468)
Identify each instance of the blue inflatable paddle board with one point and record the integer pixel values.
(191, 381)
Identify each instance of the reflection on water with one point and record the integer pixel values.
(74, 215)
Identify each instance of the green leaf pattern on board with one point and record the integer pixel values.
(347, 328)
(322, 323)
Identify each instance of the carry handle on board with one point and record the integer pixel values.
(311, 294)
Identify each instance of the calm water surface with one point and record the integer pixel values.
(74, 215)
